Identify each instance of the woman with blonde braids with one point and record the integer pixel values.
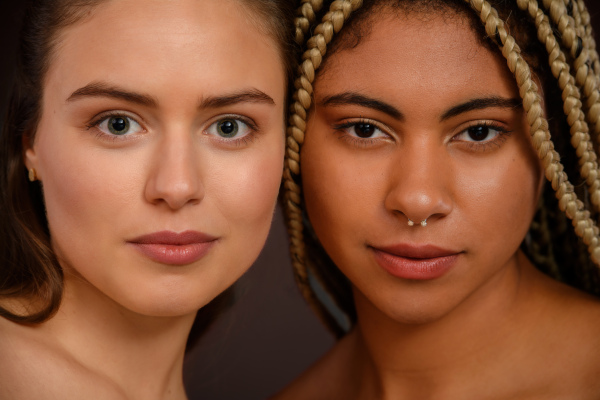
(438, 152)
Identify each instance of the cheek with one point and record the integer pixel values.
(245, 190)
(501, 200)
(83, 190)
(335, 195)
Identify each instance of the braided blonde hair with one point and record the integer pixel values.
(563, 28)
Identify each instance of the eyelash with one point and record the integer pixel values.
(359, 142)
(99, 118)
(496, 142)
(503, 134)
(237, 142)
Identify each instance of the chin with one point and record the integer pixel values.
(417, 315)
(168, 302)
(412, 308)
(167, 309)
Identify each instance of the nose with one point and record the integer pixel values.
(175, 176)
(420, 188)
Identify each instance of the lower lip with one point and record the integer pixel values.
(174, 254)
(415, 268)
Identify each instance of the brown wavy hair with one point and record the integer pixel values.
(549, 42)
(29, 269)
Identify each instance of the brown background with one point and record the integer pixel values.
(269, 336)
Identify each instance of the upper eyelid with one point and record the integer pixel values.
(246, 120)
(102, 116)
(482, 121)
(347, 122)
(487, 123)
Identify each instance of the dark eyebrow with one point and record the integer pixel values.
(102, 89)
(481, 103)
(247, 96)
(351, 98)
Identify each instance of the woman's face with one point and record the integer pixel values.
(419, 122)
(160, 150)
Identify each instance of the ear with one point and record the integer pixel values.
(29, 154)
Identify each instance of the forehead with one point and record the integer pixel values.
(146, 42)
(417, 53)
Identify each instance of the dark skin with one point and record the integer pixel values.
(490, 326)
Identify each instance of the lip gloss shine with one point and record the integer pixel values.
(173, 248)
(415, 262)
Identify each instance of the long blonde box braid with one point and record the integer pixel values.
(332, 22)
(574, 208)
(576, 34)
(572, 106)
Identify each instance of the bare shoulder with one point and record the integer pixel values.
(573, 312)
(571, 338)
(32, 368)
(323, 379)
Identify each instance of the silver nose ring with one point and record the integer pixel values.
(412, 223)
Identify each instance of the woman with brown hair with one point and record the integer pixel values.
(141, 161)
(437, 153)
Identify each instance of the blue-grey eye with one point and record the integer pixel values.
(229, 128)
(119, 125)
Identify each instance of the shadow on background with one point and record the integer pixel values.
(266, 339)
(269, 336)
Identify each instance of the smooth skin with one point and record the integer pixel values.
(491, 327)
(175, 71)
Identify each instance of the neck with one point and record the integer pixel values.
(432, 358)
(142, 355)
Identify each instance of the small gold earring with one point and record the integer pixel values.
(32, 175)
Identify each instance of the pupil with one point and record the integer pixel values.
(118, 125)
(364, 130)
(228, 128)
(479, 132)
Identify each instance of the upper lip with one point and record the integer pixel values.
(418, 251)
(173, 238)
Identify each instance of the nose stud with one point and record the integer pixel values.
(412, 223)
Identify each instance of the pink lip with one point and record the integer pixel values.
(173, 248)
(417, 262)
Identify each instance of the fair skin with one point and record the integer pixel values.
(445, 140)
(157, 117)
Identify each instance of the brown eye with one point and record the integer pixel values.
(482, 135)
(364, 130)
(478, 133)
